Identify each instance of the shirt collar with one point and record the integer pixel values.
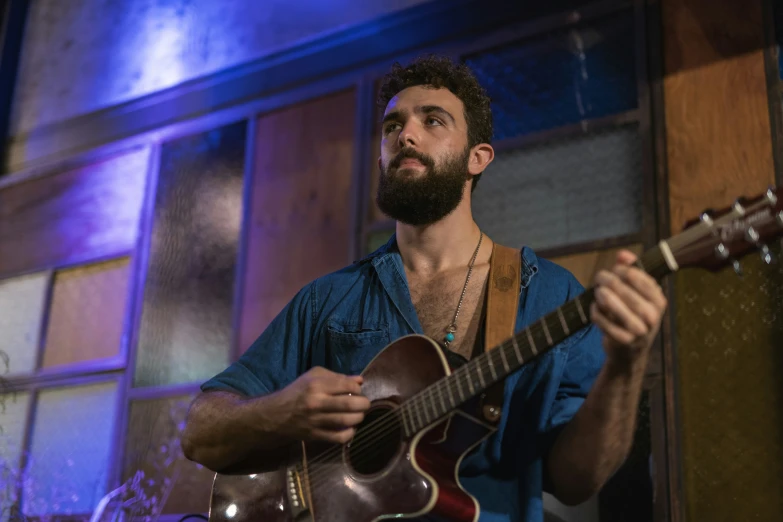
(529, 259)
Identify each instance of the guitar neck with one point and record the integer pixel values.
(494, 365)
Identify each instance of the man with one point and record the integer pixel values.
(568, 417)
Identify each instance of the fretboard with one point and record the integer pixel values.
(492, 366)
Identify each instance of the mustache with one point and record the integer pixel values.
(404, 154)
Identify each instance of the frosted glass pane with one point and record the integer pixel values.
(22, 303)
(13, 418)
(185, 330)
(87, 313)
(569, 191)
(69, 456)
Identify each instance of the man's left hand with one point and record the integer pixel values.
(628, 308)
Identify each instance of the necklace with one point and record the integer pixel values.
(449, 338)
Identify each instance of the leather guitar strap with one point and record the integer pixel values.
(500, 325)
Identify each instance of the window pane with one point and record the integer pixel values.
(560, 78)
(67, 471)
(13, 419)
(570, 191)
(87, 314)
(74, 216)
(185, 331)
(154, 452)
(22, 305)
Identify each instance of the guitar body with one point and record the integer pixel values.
(414, 478)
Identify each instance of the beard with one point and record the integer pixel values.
(425, 199)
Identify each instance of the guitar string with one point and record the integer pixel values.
(653, 261)
(392, 418)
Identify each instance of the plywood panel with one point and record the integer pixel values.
(586, 265)
(717, 114)
(72, 216)
(374, 214)
(87, 314)
(300, 226)
(727, 330)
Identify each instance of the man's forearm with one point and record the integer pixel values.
(232, 434)
(597, 440)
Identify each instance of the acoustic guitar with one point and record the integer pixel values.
(426, 416)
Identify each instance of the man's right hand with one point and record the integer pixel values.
(323, 405)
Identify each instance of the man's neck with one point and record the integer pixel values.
(441, 246)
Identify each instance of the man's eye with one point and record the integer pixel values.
(433, 121)
(390, 127)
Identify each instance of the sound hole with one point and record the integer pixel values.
(376, 443)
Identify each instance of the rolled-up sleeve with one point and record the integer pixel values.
(584, 359)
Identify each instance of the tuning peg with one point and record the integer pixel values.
(737, 267)
(751, 235)
(766, 255)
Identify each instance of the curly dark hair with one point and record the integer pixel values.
(442, 72)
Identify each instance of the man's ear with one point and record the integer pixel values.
(480, 157)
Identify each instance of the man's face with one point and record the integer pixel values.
(424, 156)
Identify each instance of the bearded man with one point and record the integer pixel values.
(568, 416)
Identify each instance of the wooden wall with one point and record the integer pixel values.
(727, 330)
(300, 224)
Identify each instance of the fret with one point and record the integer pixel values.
(503, 358)
(418, 415)
(546, 331)
(581, 311)
(459, 387)
(430, 403)
(563, 321)
(470, 382)
(520, 359)
(480, 376)
(491, 366)
(452, 402)
(431, 412)
(440, 396)
(532, 343)
(405, 426)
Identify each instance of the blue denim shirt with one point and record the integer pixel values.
(342, 320)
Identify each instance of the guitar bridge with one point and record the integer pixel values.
(295, 492)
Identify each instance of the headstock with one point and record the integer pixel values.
(720, 238)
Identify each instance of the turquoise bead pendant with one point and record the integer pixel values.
(449, 338)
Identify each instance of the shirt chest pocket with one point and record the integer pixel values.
(350, 348)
